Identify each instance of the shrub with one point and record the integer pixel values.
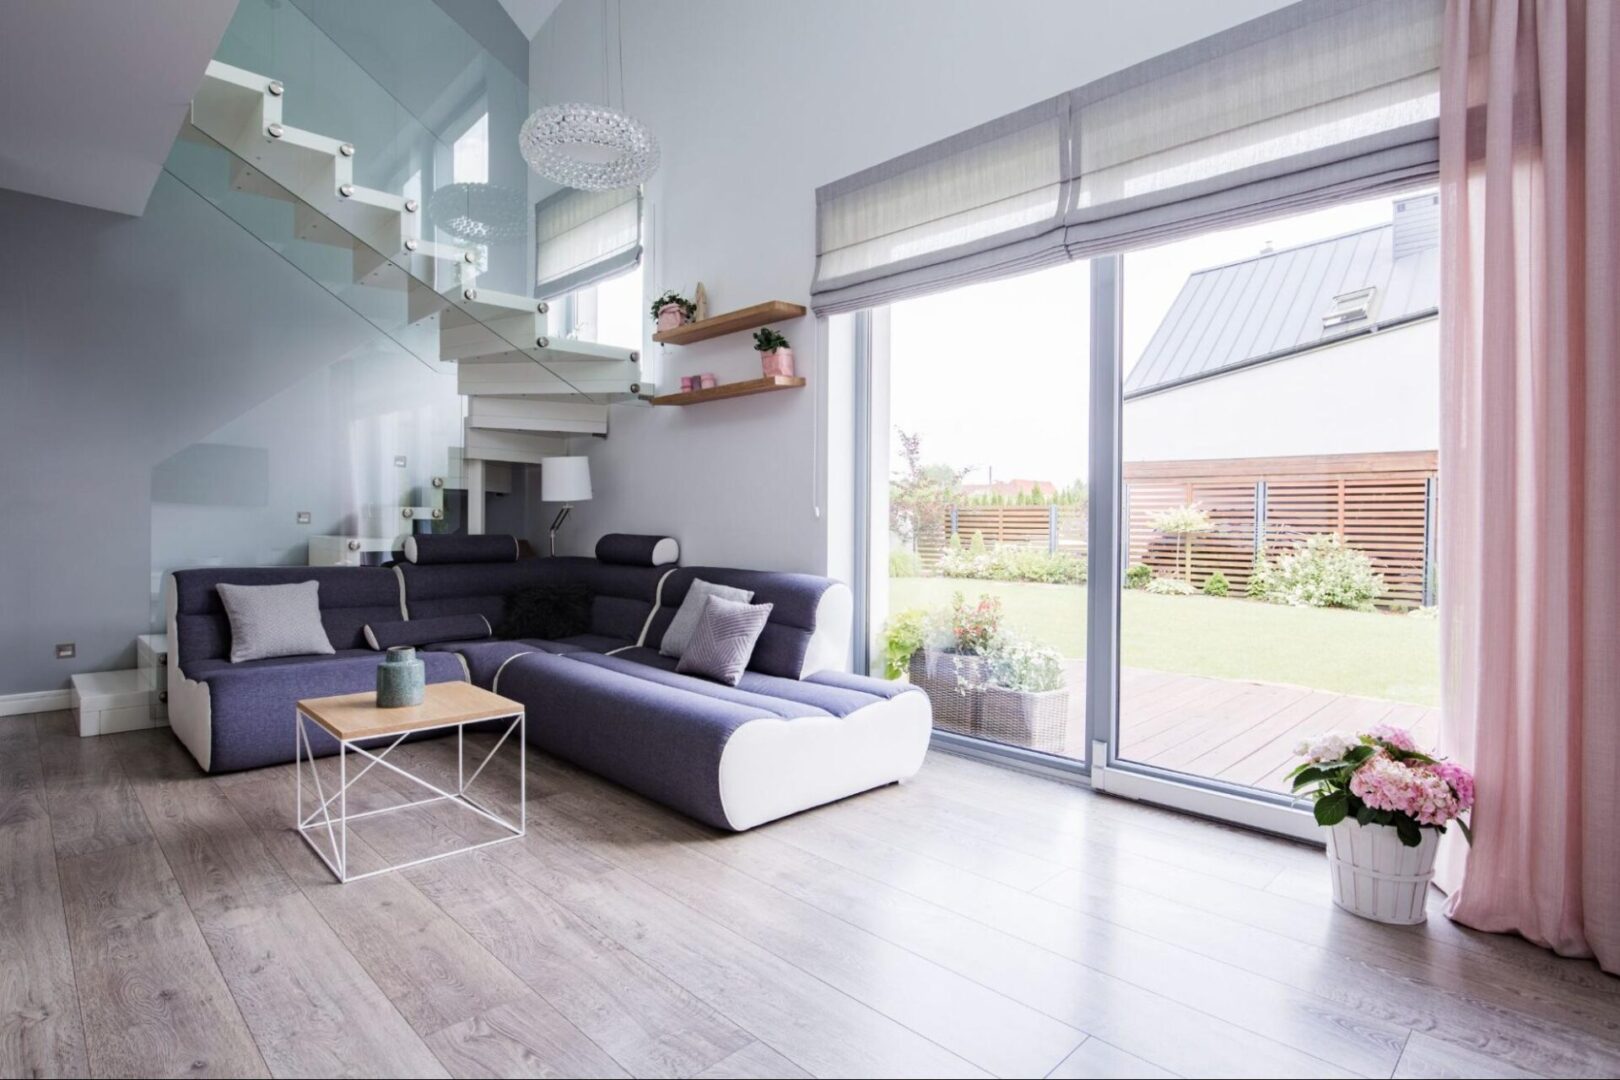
(1169, 586)
(966, 629)
(903, 635)
(1012, 564)
(1322, 572)
(903, 563)
(976, 545)
(1138, 576)
(1217, 585)
(1183, 523)
(1261, 580)
(1017, 663)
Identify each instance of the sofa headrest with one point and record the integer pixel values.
(432, 550)
(796, 599)
(629, 549)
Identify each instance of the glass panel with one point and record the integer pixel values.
(982, 417)
(1280, 428)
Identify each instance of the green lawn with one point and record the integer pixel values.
(1372, 654)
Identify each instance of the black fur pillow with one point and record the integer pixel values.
(548, 612)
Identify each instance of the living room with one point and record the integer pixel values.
(721, 538)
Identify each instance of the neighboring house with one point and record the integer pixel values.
(1298, 389)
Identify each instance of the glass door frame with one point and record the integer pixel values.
(1102, 767)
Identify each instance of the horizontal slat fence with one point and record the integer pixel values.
(1381, 504)
(1060, 529)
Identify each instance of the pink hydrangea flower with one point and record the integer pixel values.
(1397, 737)
(1419, 792)
(1460, 780)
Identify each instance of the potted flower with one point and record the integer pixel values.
(1384, 804)
(1026, 700)
(672, 310)
(774, 355)
(950, 666)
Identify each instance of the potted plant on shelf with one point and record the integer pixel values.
(774, 354)
(950, 665)
(1384, 804)
(672, 310)
(1026, 697)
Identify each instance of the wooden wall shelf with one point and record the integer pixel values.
(732, 390)
(732, 322)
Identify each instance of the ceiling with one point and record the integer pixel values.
(530, 15)
(92, 93)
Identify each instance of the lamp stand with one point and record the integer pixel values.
(556, 523)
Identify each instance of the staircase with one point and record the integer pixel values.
(527, 388)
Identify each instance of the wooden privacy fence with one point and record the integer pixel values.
(1057, 529)
(1381, 504)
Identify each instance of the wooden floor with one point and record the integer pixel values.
(1230, 729)
(974, 921)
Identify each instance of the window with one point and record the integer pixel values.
(608, 313)
(469, 164)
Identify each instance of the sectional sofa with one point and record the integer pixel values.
(796, 732)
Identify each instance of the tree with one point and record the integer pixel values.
(1183, 522)
(919, 495)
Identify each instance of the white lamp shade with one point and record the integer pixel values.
(565, 479)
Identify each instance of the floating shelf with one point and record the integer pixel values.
(748, 318)
(731, 390)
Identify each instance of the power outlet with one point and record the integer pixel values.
(305, 517)
(399, 461)
(67, 651)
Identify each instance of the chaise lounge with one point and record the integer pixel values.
(795, 732)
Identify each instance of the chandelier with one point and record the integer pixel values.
(588, 146)
(479, 213)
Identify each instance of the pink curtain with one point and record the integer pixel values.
(1530, 465)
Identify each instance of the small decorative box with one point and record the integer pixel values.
(688, 383)
(709, 381)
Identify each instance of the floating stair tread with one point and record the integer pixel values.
(732, 390)
(732, 322)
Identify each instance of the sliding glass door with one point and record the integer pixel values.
(981, 507)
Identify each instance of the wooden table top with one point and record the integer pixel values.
(356, 716)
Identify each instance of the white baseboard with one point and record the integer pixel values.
(38, 701)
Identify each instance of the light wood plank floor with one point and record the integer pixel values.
(972, 922)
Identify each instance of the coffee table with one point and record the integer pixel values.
(360, 727)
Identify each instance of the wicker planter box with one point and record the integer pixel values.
(935, 673)
(1039, 721)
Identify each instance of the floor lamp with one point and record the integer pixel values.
(566, 480)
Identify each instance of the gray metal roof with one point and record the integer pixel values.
(1272, 305)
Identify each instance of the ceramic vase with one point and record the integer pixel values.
(777, 362)
(401, 679)
(671, 316)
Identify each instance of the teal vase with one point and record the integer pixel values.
(401, 679)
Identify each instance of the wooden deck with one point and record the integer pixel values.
(1228, 729)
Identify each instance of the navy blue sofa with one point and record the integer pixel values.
(798, 731)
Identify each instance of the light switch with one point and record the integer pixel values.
(67, 650)
(304, 517)
(399, 461)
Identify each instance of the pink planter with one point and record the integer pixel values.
(777, 362)
(670, 316)
(707, 382)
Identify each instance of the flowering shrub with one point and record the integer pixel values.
(1010, 564)
(1017, 663)
(968, 629)
(1169, 586)
(1379, 777)
(1324, 571)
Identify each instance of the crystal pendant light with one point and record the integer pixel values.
(479, 213)
(592, 147)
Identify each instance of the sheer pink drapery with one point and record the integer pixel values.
(1530, 464)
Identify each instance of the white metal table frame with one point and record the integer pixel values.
(337, 828)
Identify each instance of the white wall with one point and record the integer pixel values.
(757, 103)
(1369, 394)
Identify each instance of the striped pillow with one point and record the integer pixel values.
(724, 640)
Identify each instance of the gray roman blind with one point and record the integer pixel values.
(582, 237)
(1318, 101)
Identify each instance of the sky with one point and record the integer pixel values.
(994, 377)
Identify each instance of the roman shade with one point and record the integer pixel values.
(582, 237)
(1316, 102)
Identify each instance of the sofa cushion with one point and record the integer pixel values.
(678, 634)
(627, 549)
(253, 703)
(481, 660)
(794, 598)
(547, 611)
(459, 548)
(386, 635)
(767, 704)
(622, 597)
(724, 640)
(274, 620)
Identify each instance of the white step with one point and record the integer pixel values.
(540, 417)
(510, 446)
(524, 379)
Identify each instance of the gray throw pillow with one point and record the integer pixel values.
(686, 619)
(274, 620)
(724, 640)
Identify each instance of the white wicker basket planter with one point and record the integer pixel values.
(1037, 720)
(935, 673)
(1376, 876)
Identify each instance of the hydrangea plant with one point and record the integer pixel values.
(1380, 777)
